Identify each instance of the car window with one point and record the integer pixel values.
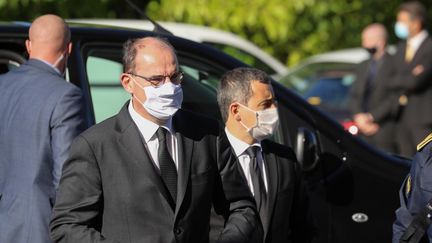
(322, 84)
(107, 94)
(9, 60)
(243, 56)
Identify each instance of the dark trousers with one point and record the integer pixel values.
(385, 138)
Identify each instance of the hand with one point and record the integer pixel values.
(366, 124)
(370, 129)
(418, 70)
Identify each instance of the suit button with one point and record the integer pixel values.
(177, 231)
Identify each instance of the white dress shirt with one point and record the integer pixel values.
(417, 40)
(244, 159)
(148, 131)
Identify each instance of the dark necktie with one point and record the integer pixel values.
(258, 184)
(166, 164)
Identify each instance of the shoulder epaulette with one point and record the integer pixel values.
(424, 142)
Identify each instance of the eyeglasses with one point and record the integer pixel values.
(158, 80)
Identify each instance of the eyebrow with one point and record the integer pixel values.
(272, 100)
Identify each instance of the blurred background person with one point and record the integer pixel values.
(41, 114)
(413, 77)
(370, 100)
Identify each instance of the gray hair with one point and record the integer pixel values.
(131, 46)
(235, 86)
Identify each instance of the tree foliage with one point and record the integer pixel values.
(288, 29)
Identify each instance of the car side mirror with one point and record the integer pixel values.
(307, 149)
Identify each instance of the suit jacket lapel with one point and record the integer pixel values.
(185, 151)
(272, 182)
(419, 50)
(130, 140)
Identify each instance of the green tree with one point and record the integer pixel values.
(289, 30)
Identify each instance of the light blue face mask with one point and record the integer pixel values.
(401, 30)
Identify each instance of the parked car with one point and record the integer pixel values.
(228, 42)
(324, 80)
(354, 187)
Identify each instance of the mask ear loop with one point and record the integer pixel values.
(59, 59)
(256, 118)
(139, 85)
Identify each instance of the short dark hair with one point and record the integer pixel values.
(235, 86)
(130, 48)
(416, 10)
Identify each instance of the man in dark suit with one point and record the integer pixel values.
(371, 101)
(40, 116)
(248, 107)
(152, 172)
(413, 77)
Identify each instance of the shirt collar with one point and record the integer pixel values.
(146, 127)
(418, 39)
(238, 145)
(52, 66)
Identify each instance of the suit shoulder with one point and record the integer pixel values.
(425, 142)
(426, 45)
(191, 122)
(279, 150)
(101, 130)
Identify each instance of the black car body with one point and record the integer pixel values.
(354, 187)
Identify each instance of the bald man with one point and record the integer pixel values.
(40, 116)
(152, 172)
(371, 101)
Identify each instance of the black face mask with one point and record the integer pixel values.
(371, 50)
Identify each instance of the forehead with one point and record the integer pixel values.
(155, 58)
(403, 16)
(261, 90)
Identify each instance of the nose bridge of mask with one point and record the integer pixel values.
(263, 113)
(268, 114)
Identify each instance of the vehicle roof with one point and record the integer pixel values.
(107, 34)
(349, 55)
(193, 32)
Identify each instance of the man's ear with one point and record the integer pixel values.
(233, 111)
(126, 82)
(28, 46)
(69, 47)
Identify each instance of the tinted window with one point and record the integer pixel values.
(108, 95)
(9, 60)
(325, 85)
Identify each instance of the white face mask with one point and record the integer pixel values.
(162, 102)
(266, 123)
